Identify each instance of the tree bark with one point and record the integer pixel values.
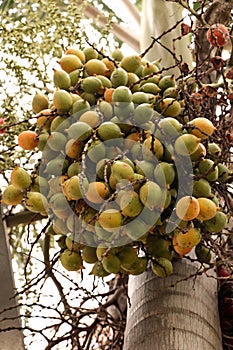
(165, 315)
(12, 339)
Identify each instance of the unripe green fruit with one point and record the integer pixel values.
(122, 94)
(158, 247)
(186, 144)
(132, 79)
(106, 109)
(151, 195)
(103, 168)
(71, 244)
(106, 82)
(200, 153)
(88, 97)
(74, 76)
(137, 267)
(39, 102)
(171, 92)
(223, 172)
(80, 107)
(70, 63)
(208, 209)
(130, 204)
(117, 54)
(170, 126)
(71, 261)
(217, 223)
(213, 150)
(36, 202)
(98, 270)
(154, 79)
(43, 138)
(145, 168)
(143, 113)
(90, 53)
(119, 77)
(208, 169)
(74, 188)
(153, 149)
(111, 263)
(61, 79)
(73, 169)
(58, 201)
(166, 82)
(108, 131)
(164, 174)
(62, 101)
(95, 67)
(127, 255)
(131, 63)
(201, 188)
(79, 131)
(162, 267)
(12, 195)
(56, 141)
(40, 184)
(59, 124)
(96, 151)
(20, 178)
(150, 88)
(91, 84)
(139, 97)
(123, 111)
(57, 166)
(110, 219)
(203, 254)
(121, 170)
(170, 107)
(149, 68)
(89, 254)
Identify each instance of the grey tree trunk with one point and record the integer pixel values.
(10, 319)
(184, 316)
(162, 317)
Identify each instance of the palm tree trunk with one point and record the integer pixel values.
(10, 318)
(166, 315)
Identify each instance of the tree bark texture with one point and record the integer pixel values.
(166, 315)
(12, 339)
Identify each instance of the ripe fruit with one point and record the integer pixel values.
(183, 242)
(97, 192)
(12, 195)
(20, 178)
(202, 127)
(218, 35)
(71, 261)
(28, 140)
(162, 267)
(187, 208)
(75, 51)
(39, 102)
(208, 209)
(186, 144)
